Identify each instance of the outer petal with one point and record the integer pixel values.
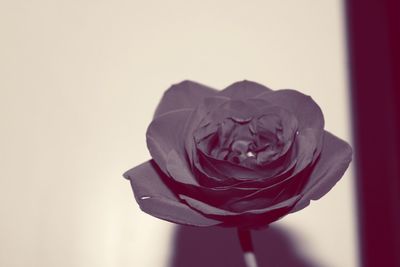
(330, 167)
(210, 210)
(165, 134)
(307, 149)
(250, 218)
(308, 113)
(179, 170)
(186, 94)
(156, 199)
(244, 89)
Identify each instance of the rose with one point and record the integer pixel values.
(241, 157)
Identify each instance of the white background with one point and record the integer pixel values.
(79, 83)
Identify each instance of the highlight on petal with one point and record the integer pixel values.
(330, 167)
(186, 94)
(244, 89)
(165, 134)
(156, 199)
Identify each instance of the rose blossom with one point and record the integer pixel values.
(241, 157)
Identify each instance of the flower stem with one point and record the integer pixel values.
(247, 247)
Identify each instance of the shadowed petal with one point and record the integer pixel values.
(244, 89)
(330, 167)
(186, 94)
(165, 134)
(211, 210)
(156, 199)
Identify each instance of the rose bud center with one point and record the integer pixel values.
(253, 139)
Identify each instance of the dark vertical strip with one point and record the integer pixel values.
(374, 56)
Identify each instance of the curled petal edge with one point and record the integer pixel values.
(185, 94)
(156, 199)
(334, 160)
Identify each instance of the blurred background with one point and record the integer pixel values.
(80, 82)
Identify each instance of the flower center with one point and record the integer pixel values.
(248, 142)
(250, 139)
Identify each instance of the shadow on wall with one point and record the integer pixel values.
(219, 247)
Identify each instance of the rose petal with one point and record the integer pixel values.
(226, 174)
(307, 149)
(211, 210)
(255, 217)
(206, 106)
(279, 188)
(187, 183)
(244, 89)
(165, 134)
(237, 110)
(186, 94)
(288, 122)
(274, 192)
(214, 167)
(156, 199)
(183, 180)
(211, 144)
(291, 184)
(308, 113)
(330, 167)
(179, 170)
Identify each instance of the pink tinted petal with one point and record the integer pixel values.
(244, 89)
(307, 149)
(206, 106)
(165, 134)
(293, 182)
(251, 219)
(211, 210)
(238, 110)
(179, 170)
(213, 196)
(187, 183)
(273, 193)
(156, 199)
(308, 113)
(226, 173)
(236, 172)
(330, 167)
(186, 94)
